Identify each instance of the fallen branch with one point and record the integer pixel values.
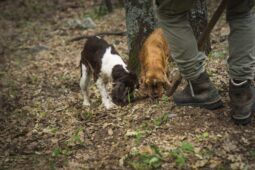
(176, 80)
(98, 34)
(211, 24)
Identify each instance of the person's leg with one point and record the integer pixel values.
(106, 99)
(84, 84)
(173, 19)
(241, 61)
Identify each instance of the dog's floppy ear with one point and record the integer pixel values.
(116, 85)
(117, 72)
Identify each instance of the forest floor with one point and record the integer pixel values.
(43, 124)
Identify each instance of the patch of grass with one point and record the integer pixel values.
(59, 156)
(180, 154)
(76, 137)
(129, 97)
(64, 78)
(32, 79)
(161, 119)
(43, 114)
(145, 161)
(165, 99)
(187, 147)
(63, 152)
(87, 115)
(203, 136)
(53, 130)
(252, 153)
(179, 157)
(57, 152)
(146, 126)
(138, 135)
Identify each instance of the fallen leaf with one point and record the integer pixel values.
(110, 132)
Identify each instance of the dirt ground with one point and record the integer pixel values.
(44, 125)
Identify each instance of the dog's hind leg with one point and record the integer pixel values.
(84, 84)
(106, 99)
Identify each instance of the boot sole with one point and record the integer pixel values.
(216, 104)
(242, 121)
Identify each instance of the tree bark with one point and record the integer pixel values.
(121, 3)
(198, 20)
(108, 4)
(140, 22)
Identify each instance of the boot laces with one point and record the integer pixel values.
(191, 89)
(238, 84)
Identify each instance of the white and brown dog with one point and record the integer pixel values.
(101, 60)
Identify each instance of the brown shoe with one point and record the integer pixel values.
(200, 92)
(242, 99)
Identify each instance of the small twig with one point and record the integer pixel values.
(98, 34)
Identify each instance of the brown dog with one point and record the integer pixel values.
(154, 64)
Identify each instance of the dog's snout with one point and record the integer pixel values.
(154, 95)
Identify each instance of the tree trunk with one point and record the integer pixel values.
(198, 20)
(140, 22)
(121, 3)
(108, 4)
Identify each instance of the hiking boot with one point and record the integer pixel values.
(242, 97)
(200, 93)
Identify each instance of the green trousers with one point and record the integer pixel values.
(172, 18)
